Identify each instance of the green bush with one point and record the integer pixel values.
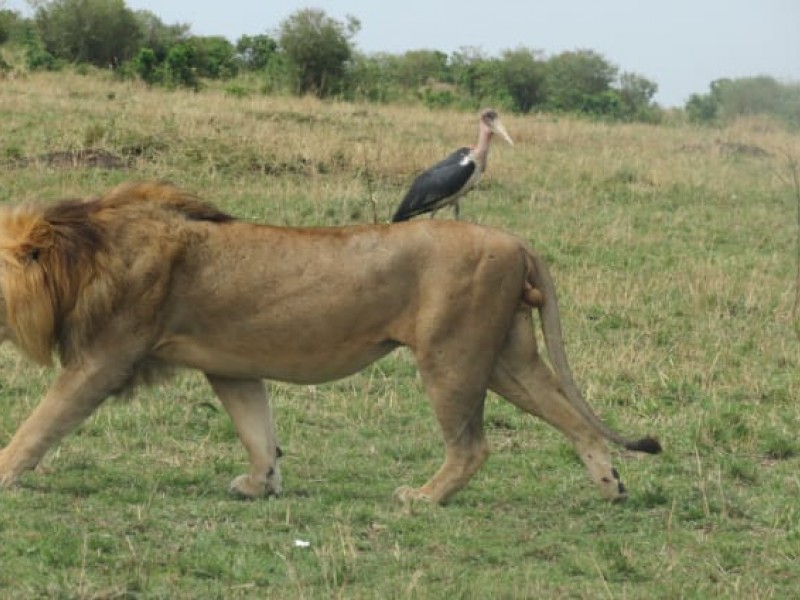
(313, 53)
(37, 58)
(731, 98)
(522, 76)
(255, 52)
(213, 57)
(318, 49)
(438, 98)
(178, 69)
(702, 108)
(578, 81)
(100, 32)
(145, 66)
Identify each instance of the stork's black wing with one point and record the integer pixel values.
(430, 188)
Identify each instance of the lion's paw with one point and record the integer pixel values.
(613, 488)
(246, 488)
(7, 477)
(7, 481)
(407, 494)
(274, 485)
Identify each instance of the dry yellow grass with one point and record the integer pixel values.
(45, 112)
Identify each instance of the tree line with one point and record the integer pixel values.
(312, 53)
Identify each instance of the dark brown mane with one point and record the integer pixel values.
(75, 233)
(203, 211)
(163, 196)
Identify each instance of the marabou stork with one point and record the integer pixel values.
(445, 182)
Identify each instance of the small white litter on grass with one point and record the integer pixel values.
(301, 544)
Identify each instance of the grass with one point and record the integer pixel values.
(674, 252)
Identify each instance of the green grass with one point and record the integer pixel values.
(674, 259)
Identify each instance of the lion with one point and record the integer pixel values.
(148, 277)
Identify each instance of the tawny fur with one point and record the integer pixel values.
(148, 276)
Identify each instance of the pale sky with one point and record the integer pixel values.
(682, 45)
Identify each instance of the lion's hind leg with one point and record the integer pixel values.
(522, 378)
(247, 403)
(461, 421)
(455, 382)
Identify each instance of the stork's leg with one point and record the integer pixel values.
(457, 209)
(248, 406)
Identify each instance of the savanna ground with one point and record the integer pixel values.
(674, 251)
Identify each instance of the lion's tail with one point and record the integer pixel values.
(547, 303)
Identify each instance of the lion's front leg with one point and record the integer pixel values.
(248, 406)
(72, 398)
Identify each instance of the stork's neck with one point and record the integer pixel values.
(480, 151)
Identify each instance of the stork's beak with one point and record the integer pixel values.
(497, 127)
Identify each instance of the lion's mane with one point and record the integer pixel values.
(62, 276)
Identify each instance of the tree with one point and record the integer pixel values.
(522, 73)
(178, 68)
(318, 49)
(370, 77)
(145, 66)
(702, 108)
(255, 52)
(478, 75)
(157, 36)
(7, 18)
(213, 57)
(748, 95)
(636, 93)
(578, 81)
(37, 58)
(101, 32)
(418, 67)
(13, 26)
(731, 98)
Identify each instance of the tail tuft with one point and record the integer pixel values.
(647, 444)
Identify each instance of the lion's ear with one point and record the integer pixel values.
(25, 237)
(36, 240)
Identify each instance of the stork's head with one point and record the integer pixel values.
(491, 119)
